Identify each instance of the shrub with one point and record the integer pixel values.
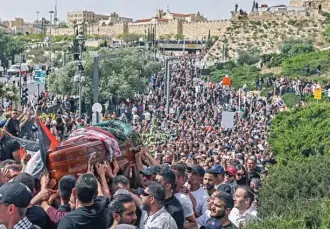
(296, 65)
(292, 22)
(294, 195)
(301, 133)
(293, 47)
(290, 100)
(250, 56)
(240, 75)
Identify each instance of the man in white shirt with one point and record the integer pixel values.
(195, 180)
(186, 203)
(154, 215)
(243, 212)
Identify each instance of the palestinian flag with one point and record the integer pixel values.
(38, 151)
(47, 141)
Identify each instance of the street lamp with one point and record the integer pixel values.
(81, 41)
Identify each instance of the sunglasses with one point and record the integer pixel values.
(145, 194)
(240, 175)
(148, 177)
(229, 174)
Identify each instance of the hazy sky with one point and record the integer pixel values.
(137, 9)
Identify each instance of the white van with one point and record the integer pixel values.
(14, 69)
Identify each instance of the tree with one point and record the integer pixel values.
(9, 47)
(167, 36)
(250, 56)
(326, 34)
(296, 65)
(129, 37)
(122, 76)
(294, 47)
(302, 132)
(295, 195)
(179, 36)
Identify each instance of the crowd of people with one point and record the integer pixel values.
(204, 175)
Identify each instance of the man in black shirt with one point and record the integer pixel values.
(172, 205)
(12, 123)
(222, 205)
(90, 213)
(9, 148)
(35, 214)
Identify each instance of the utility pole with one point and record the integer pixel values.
(168, 80)
(96, 78)
(50, 22)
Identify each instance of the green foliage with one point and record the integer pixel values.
(155, 136)
(301, 133)
(326, 34)
(327, 18)
(32, 38)
(290, 99)
(292, 22)
(295, 194)
(9, 92)
(240, 75)
(293, 47)
(250, 56)
(9, 46)
(122, 76)
(59, 38)
(272, 59)
(296, 65)
(179, 36)
(129, 37)
(166, 36)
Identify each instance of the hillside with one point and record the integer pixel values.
(267, 35)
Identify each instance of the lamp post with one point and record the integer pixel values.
(80, 78)
(168, 81)
(50, 21)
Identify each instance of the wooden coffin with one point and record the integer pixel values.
(74, 158)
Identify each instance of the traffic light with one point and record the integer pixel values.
(25, 95)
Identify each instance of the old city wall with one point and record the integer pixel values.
(199, 30)
(113, 30)
(195, 30)
(171, 27)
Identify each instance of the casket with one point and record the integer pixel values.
(74, 158)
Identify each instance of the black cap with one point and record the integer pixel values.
(15, 193)
(197, 169)
(151, 170)
(225, 188)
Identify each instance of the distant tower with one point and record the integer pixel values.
(55, 13)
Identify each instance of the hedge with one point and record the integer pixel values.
(290, 99)
(301, 133)
(296, 65)
(295, 195)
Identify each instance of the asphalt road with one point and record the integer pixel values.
(32, 86)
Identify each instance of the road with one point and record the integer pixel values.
(32, 86)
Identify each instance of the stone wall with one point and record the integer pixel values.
(113, 30)
(199, 30)
(171, 27)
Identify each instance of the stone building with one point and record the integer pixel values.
(163, 17)
(90, 17)
(114, 19)
(311, 4)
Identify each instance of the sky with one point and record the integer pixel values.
(136, 9)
